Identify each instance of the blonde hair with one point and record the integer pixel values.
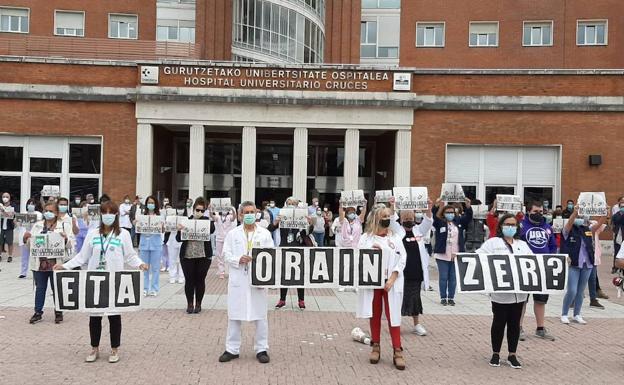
(372, 221)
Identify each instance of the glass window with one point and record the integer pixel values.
(430, 35)
(491, 191)
(69, 23)
(538, 194)
(11, 158)
(182, 157)
(537, 34)
(390, 52)
(393, 4)
(470, 191)
(84, 186)
(14, 20)
(311, 161)
(483, 34)
(161, 33)
(274, 159)
(46, 165)
(591, 33)
(85, 158)
(222, 158)
(12, 185)
(365, 162)
(330, 161)
(37, 183)
(123, 26)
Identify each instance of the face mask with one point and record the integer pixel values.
(509, 231)
(108, 219)
(384, 223)
(30, 208)
(546, 203)
(290, 206)
(272, 204)
(325, 209)
(165, 203)
(548, 218)
(127, 201)
(249, 219)
(49, 215)
(77, 201)
(63, 208)
(5, 199)
(536, 217)
(319, 212)
(408, 224)
(419, 216)
(189, 204)
(449, 216)
(570, 207)
(622, 209)
(351, 216)
(579, 222)
(151, 206)
(198, 214)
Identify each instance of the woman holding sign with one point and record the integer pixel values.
(150, 247)
(370, 302)
(195, 258)
(42, 267)
(32, 207)
(107, 248)
(506, 307)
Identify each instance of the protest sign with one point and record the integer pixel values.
(353, 198)
(49, 245)
(97, 291)
(452, 192)
(173, 219)
(318, 267)
(25, 220)
(558, 225)
(220, 205)
(293, 218)
(79, 211)
(195, 230)
(149, 224)
(51, 191)
(383, 196)
(411, 198)
(7, 212)
(511, 273)
(509, 203)
(592, 204)
(93, 211)
(479, 211)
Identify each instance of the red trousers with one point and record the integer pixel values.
(379, 296)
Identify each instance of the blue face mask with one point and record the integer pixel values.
(108, 219)
(509, 231)
(570, 207)
(151, 206)
(249, 219)
(63, 208)
(449, 216)
(622, 209)
(49, 215)
(579, 222)
(30, 208)
(351, 216)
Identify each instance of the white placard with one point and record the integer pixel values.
(149, 224)
(8, 212)
(558, 224)
(508, 203)
(51, 191)
(220, 205)
(353, 198)
(411, 198)
(452, 192)
(318, 267)
(479, 211)
(25, 220)
(196, 230)
(79, 211)
(293, 218)
(172, 222)
(383, 196)
(49, 245)
(94, 212)
(97, 291)
(593, 204)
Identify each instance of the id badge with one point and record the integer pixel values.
(291, 238)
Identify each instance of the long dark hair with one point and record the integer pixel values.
(499, 226)
(110, 207)
(156, 205)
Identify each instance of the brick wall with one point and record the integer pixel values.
(115, 122)
(68, 74)
(214, 29)
(342, 31)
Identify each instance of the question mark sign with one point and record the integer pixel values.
(556, 270)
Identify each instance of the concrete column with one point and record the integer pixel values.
(300, 163)
(145, 160)
(248, 172)
(351, 159)
(197, 147)
(402, 158)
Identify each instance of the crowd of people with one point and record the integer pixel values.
(109, 241)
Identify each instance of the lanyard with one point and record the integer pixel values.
(249, 242)
(103, 249)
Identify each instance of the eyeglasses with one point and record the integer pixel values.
(200, 210)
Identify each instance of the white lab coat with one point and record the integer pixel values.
(420, 231)
(393, 245)
(497, 245)
(245, 303)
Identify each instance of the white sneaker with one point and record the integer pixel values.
(565, 320)
(342, 289)
(153, 293)
(579, 319)
(180, 281)
(420, 330)
(172, 280)
(144, 293)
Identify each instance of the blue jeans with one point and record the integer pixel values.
(319, 238)
(577, 281)
(41, 285)
(151, 277)
(447, 280)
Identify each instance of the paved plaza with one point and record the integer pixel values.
(163, 345)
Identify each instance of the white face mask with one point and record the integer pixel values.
(5, 199)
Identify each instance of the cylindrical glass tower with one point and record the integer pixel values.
(279, 31)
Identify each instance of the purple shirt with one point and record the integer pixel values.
(584, 257)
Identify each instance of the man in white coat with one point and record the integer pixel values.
(245, 303)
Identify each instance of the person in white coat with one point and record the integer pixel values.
(107, 248)
(370, 301)
(245, 303)
(506, 307)
(224, 223)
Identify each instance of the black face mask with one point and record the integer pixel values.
(384, 223)
(408, 224)
(536, 217)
